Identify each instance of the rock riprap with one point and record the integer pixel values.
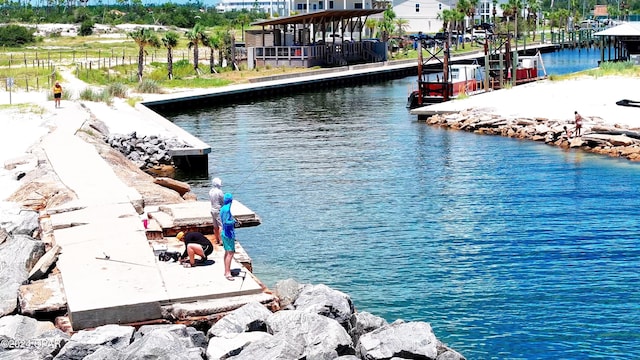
(145, 151)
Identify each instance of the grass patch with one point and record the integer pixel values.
(24, 108)
(132, 101)
(117, 89)
(149, 87)
(103, 95)
(625, 68)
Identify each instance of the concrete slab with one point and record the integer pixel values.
(125, 288)
(205, 281)
(93, 214)
(199, 212)
(42, 296)
(82, 170)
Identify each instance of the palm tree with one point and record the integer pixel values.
(458, 17)
(464, 8)
(401, 26)
(170, 41)
(196, 36)
(533, 6)
(387, 23)
(507, 11)
(143, 38)
(371, 24)
(213, 42)
(243, 19)
(447, 17)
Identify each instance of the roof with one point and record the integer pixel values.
(626, 29)
(600, 10)
(319, 16)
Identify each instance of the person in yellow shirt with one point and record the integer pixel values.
(57, 94)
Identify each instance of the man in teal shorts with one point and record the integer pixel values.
(228, 234)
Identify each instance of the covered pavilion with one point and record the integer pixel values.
(321, 38)
(625, 39)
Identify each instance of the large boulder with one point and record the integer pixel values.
(161, 344)
(364, 322)
(410, 340)
(446, 353)
(325, 301)
(20, 354)
(222, 348)
(17, 221)
(271, 348)
(320, 337)
(18, 255)
(76, 351)
(250, 317)
(287, 292)
(30, 336)
(115, 336)
(105, 353)
(189, 336)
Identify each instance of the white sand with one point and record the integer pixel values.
(594, 98)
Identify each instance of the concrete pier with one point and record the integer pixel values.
(108, 267)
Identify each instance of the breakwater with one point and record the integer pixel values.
(597, 136)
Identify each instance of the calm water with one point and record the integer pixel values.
(510, 249)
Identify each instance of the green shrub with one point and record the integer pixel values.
(105, 96)
(117, 89)
(15, 35)
(86, 28)
(88, 94)
(149, 87)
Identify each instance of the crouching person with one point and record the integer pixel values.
(195, 244)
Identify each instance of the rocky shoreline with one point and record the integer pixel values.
(597, 136)
(316, 322)
(313, 321)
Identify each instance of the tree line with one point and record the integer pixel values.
(220, 40)
(123, 12)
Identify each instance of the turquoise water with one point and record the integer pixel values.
(510, 249)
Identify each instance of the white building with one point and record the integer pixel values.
(422, 15)
(273, 7)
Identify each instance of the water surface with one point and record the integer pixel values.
(510, 249)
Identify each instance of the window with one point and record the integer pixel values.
(357, 5)
(302, 6)
(320, 5)
(315, 7)
(417, 7)
(331, 4)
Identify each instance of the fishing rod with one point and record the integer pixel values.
(234, 189)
